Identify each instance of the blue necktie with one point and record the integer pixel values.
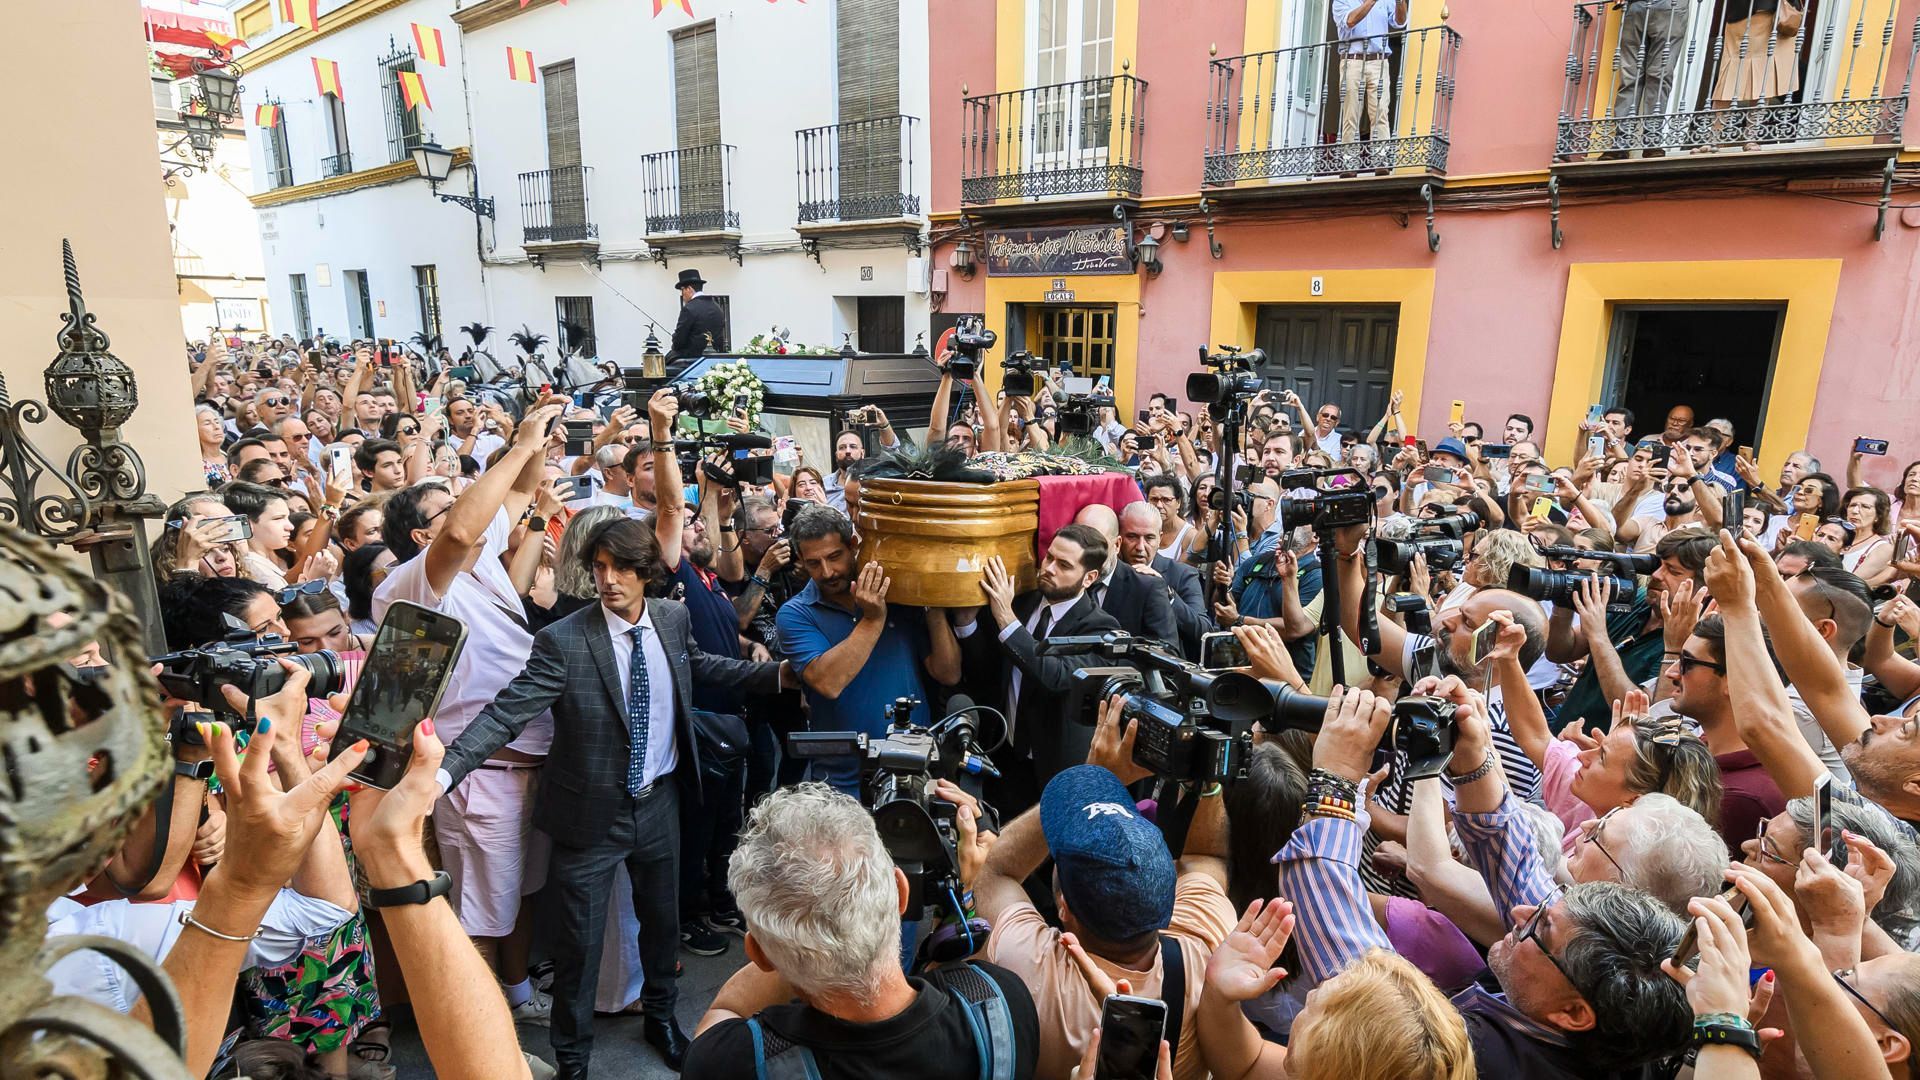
(639, 713)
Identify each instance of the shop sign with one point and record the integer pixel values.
(1059, 293)
(1083, 249)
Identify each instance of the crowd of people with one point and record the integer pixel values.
(1642, 750)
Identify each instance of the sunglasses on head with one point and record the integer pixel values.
(294, 592)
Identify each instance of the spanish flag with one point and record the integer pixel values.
(520, 65)
(413, 90)
(304, 13)
(326, 76)
(426, 40)
(266, 116)
(684, 5)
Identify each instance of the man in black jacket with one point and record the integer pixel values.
(1032, 686)
(1135, 601)
(703, 321)
(610, 788)
(1139, 548)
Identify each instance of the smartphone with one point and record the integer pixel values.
(1421, 445)
(785, 450)
(579, 436)
(1874, 447)
(231, 529)
(1829, 837)
(315, 358)
(1662, 453)
(1747, 452)
(1146, 415)
(1543, 507)
(1803, 529)
(1690, 941)
(1246, 474)
(1440, 474)
(1541, 482)
(1596, 414)
(1482, 642)
(575, 488)
(1597, 446)
(741, 402)
(1066, 368)
(1733, 510)
(1104, 382)
(406, 672)
(1496, 450)
(1221, 651)
(1130, 1032)
(340, 460)
(1144, 442)
(1459, 413)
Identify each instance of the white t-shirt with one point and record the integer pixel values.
(498, 641)
(484, 444)
(1816, 737)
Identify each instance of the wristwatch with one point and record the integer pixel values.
(420, 892)
(194, 770)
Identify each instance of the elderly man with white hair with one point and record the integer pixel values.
(823, 994)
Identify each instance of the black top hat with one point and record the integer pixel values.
(691, 277)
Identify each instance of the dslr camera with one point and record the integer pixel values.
(1618, 570)
(897, 774)
(1229, 375)
(1341, 497)
(970, 339)
(1440, 539)
(1016, 373)
(693, 400)
(247, 661)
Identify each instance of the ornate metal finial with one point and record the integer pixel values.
(1126, 65)
(1444, 13)
(1213, 49)
(87, 386)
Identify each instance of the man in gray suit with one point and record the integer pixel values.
(1139, 548)
(618, 678)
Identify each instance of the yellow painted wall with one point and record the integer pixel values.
(1808, 287)
(1121, 290)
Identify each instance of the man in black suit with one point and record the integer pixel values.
(702, 320)
(1140, 608)
(1032, 686)
(1139, 548)
(619, 678)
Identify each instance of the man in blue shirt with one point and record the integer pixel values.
(1269, 585)
(855, 652)
(1365, 28)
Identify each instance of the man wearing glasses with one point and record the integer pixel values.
(1696, 678)
(1322, 428)
(1577, 986)
(1270, 585)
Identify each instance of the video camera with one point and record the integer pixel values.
(742, 466)
(970, 339)
(1341, 497)
(1198, 723)
(1076, 414)
(897, 774)
(246, 661)
(1230, 375)
(1016, 373)
(1440, 539)
(1561, 586)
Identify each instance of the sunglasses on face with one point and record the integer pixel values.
(1687, 663)
(271, 402)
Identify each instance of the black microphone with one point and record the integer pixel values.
(960, 703)
(747, 441)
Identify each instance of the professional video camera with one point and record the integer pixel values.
(970, 339)
(1440, 539)
(246, 661)
(741, 466)
(1076, 414)
(1198, 723)
(1560, 586)
(897, 774)
(1341, 497)
(1230, 375)
(1016, 373)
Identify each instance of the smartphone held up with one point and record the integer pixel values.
(405, 674)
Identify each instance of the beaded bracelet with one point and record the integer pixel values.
(1327, 809)
(1322, 780)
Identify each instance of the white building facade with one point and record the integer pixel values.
(773, 147)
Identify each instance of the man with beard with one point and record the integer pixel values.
(856, 653)
(464, 430)
(1679, 505)
(848, 450)
(694, 573)
(768, 556)
(1699, 683)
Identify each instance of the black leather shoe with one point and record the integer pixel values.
(572, 1072)
(664, 1035)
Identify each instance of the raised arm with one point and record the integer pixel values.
(471, 513)
(1810, 665)
(1899, 675)
(669, 490)
(1761, 712)
(1353, 580)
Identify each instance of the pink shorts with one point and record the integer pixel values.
(489, 847)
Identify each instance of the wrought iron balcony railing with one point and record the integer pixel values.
(858, 171)
(1305, 111)
(690, 190)
(1654, 79)
(553, 206)
(1066, 139)
(336, 165)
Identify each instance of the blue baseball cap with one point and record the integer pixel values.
(1452, 446)
(1116, 874)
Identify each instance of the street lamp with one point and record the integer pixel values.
(962, 258)
(653, 362)
(1147, 253)
(434, 163)
(218, 89)
(202, 129)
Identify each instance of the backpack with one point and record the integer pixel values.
(981, 1001)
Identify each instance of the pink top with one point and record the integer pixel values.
(1556, 787)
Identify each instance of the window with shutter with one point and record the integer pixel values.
(341, 162)
(403, 124)
(565, 177)
(867, 38)
(696, 101)
(279, 160)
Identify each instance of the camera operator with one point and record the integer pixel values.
(855, 652)
(1032, 687)
(1140, 532)
(940, 418)
(1270, 585)
(823, 902)
(1127, 910)
(1623, 647)
(1140, 605)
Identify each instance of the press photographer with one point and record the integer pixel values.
(960, 363)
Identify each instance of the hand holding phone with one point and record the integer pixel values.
(1131, 1029)
(406, 672)
(1481, 645)
(1872, 447)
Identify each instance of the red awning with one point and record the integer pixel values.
(174, 20)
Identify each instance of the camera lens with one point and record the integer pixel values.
(323, 671)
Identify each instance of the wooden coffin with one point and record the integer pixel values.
(934, 537)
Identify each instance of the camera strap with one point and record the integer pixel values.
(1173, 990)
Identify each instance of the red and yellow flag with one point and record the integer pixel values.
(426, 40)
(520, 65)
(266, 116)
(413, 90)
(684, 5)
(326, 76)
(304, 13)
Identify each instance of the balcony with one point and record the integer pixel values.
(690, 193)
(1276, 119)
(856, 182)
(336, 165)
(554, 215)
(1693, 94)
(1076, 138)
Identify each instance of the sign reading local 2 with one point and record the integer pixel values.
(1087, 249)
